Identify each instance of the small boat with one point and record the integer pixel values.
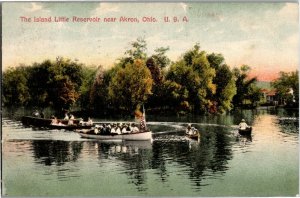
(105, 133)
(46, 123)
(192, 133)
(147, 135)
(246, 131)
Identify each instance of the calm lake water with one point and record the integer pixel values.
(56, 163)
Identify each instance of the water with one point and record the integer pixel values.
(60, 163)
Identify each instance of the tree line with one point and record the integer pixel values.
(198, 82)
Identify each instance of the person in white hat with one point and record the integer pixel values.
(243, 125)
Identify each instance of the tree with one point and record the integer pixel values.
(130, 86)
(137, 51)
(226, 88)
(38, 80)
(254, 95)
(65, 78)
(245, 86)
(224, 81)
(156, 63)
(216, 60)
(206, 73)
(50, 83)
(155, 71)
(160, 58)
(14, 86)
(86, 89)
(287, 87)
(99, 90)
(64, 94)
(194, 73)
(174, 96)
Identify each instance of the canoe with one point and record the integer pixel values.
(246, 131)
(147, 135)
(46, 123)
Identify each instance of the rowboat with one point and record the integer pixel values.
(132, 134)
(46, 123)
(246, 131)
(192, 133)
(147, 135)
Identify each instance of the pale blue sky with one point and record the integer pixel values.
(261, 35)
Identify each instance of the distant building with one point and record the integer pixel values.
(270, 96)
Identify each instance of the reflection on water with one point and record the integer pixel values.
(195, 159)
(170, 165)
(56, 152)
(289, 125)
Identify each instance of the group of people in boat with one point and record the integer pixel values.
(89, 122)
(191, 130)
(69, 120)
(55, 121)
(116, 129)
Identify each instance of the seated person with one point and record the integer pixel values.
(89, 122)
(60, 124)
(243, 125)
(36, 113)
(72, 117)
(96, 131)
(128, 128)
(102, 129)
(194, 131)
(189, 129)
(54, 121)
(81, 123)
(124, 129)
(70, 122)
(66, 117)
(118, 129)
(135, 129)
(113, 129)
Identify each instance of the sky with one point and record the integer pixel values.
(264, 36)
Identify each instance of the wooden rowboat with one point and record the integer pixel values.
(141, 133)
(246, 131)
(147, 135)
(46, 123)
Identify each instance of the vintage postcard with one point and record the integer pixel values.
(183, 99)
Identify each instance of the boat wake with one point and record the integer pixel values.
(172, 138)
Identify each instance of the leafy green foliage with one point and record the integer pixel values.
(160, 58)
(194, 73)
(224, 81)
(130, 86)
(86, 88)
(246, 88)
(55, 84)
(226, 88)
(14, 84)
(287, 87)
(197, 82)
